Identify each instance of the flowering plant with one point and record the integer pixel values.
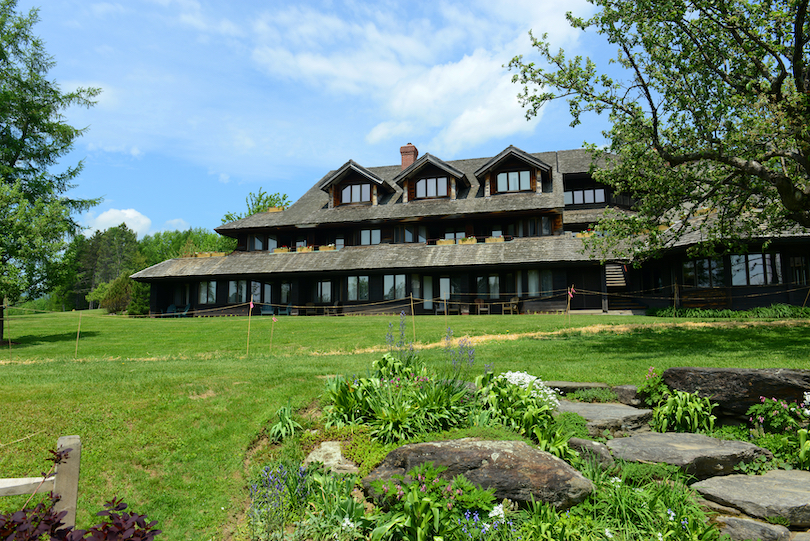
(772, 415)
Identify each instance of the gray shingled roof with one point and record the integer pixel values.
(545, 250)
(312, 207)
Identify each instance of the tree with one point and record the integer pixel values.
(37, 215)
(258, 202)
(170, 244)
(710, 128)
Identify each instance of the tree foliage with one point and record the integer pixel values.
(258, 202)
(710, 131)
(170, 244)
(37, 214)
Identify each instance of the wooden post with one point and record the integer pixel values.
(8, 333)
(250, 312)
(803, 305)
(445, 312)
(66, 484)
(78, 332)
(272, 330)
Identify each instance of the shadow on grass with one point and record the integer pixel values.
(30, 340)
(791, 341)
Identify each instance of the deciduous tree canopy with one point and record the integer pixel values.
(710, 117)
(258, 202)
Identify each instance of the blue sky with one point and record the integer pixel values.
(206, 101)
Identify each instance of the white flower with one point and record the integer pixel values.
(347, 524)
(538, 388)
(497, 511)
(660, 537)
(608, 534)
(615, 481)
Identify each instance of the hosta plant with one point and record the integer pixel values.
(684, 412)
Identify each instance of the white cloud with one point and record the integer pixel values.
(115, 217)
(178, 224)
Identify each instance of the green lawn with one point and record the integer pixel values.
(169, 410)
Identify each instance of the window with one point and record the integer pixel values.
(756, 269)
(410, 233)
(208, 292)
(489, 286)
(431, 187)
(357, 288)
(514, 181)
(301, 242)
(323, 291)
(255, 243)
(286, 292)
(587, 196)
(268, 293)
(237, 291)
(369, 236)
(798, 270)
(272, 242)
(256, 291)
(355, 193)
(340, 242)
(704, 273)
(454, 233)
(393, 286)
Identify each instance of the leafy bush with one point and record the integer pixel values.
(653, 390)
(775, 311)
(286, 425)
(425, 506)
(117, 296)
(772, 415)
(684, 412)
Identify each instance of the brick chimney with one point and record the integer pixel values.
(409, 155)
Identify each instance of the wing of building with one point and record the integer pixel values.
(489, 235)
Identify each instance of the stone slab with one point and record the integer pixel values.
(615, 418)
(777, 493)
(568, 387)
(697, 455)
(329, 453)
(744, 529)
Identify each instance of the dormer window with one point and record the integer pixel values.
(514, 181)
(355, 193)
(432, 187)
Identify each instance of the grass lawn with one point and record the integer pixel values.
(170, 411)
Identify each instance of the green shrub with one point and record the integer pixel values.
(775, 311)
(772, 415)
(653, 390)
(684, 412)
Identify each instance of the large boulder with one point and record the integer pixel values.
(737, 389)
(697, 455)
(777, 493)
(514, 469)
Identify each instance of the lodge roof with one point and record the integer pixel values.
(313, 206)
(519, 251)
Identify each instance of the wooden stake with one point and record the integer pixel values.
(250, 312)
(78, 332)
(272, 330)
(8, 331)
(445, 314)
(413, 320)
(803, 305)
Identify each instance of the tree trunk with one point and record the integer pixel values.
(2, 321)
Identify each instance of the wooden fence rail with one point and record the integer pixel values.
(65, 482)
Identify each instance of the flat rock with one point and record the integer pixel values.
(609, 416)
(742, 529)
(568, 387)
(737, 389)
(514, 469)
(329, 453)
(777, 493)
(697, 455)
(594, 450)
(800, 536)
(627, 395)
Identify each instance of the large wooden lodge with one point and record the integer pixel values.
(488, 235)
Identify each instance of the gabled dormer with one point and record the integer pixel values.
(353, 184)
(430, 178)
(514, 171)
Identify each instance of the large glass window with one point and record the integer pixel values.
(268, 293)
(584, 197)
(704, 273)
(369, 236)
(756, 269)
(255, 243)
(357, 288)
(514, 181)
(323, 291)
(256, 291)
(355, 193)
(393, 286)
(431, 187)
(237, 291)
(208, 292)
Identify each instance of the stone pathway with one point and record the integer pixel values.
(617, 419)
